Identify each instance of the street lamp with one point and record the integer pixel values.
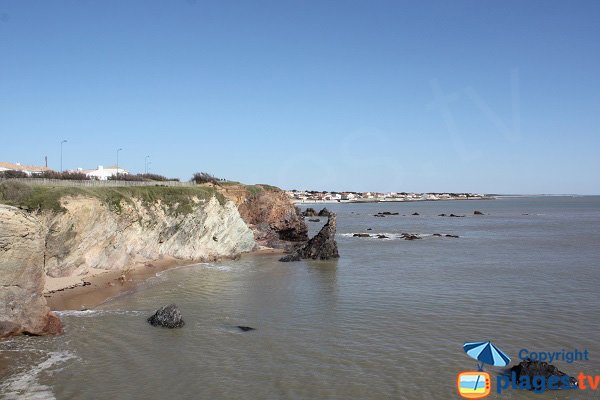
(118, 150)
(61, 152)
(146, 164)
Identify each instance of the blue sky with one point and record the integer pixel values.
(482, 96)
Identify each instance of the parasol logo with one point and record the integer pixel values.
(477, 384)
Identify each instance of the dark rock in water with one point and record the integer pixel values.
(245, 328)
(314, 220)
(379, 215)
(323, 246)
(456, 216)
(437, 234)
(369, 229)
(477, 212)
(382, 237)
(387, 213)
(309, 212)
(324, 212)
(451, 236)
(442, 215)
(167, 316)
(361, 235)
(531, 369)
(416, 213)
(409, 236)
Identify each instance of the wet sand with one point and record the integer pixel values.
(90, 290)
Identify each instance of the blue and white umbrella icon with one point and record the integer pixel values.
(486, 353)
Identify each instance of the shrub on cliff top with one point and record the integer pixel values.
(63, 175)
(204, 177)
(13, 174)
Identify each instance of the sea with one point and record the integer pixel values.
(387, 320)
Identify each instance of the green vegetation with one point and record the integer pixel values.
(256, 189)
(39, 198)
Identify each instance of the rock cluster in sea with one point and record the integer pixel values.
(531, 369)
(167, 316)
(323, 246)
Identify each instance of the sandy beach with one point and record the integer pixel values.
(92, 289)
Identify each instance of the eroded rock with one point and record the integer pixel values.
(323, 246)
(167, 316)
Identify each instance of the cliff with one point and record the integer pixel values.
(273, 219)
(70, 231)
(23, 308)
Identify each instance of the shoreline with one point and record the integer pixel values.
(87, 291)
(383, 201)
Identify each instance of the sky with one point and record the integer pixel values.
(477, 96)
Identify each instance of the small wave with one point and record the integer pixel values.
(222, 268)
(92, 313)
(26, 385)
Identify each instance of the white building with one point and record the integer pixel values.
(102, 174)
(28, 169)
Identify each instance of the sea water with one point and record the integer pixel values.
(385, 321)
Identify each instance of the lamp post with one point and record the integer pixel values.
(61, 153)
(118, 150)
(146, 164)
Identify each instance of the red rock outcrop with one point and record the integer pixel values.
(274, 219)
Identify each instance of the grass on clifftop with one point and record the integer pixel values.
(40, 198)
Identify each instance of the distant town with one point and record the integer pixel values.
(16, 170)
(311, 196)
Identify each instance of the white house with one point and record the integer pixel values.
(28, 169)
(102, 174)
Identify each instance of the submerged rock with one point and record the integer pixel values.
(323, 246)
(167, 316)
(245, 328)
(416, 213)
(451, 236)
(314, 220)
(477, 212)
(531, 369)
(361, 235)
(410, 236)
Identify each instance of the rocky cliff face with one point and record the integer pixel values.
(23, 308)
(90, 235)
(274, 219)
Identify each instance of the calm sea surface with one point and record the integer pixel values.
(385, 321)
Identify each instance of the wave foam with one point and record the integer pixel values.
(26, 385)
